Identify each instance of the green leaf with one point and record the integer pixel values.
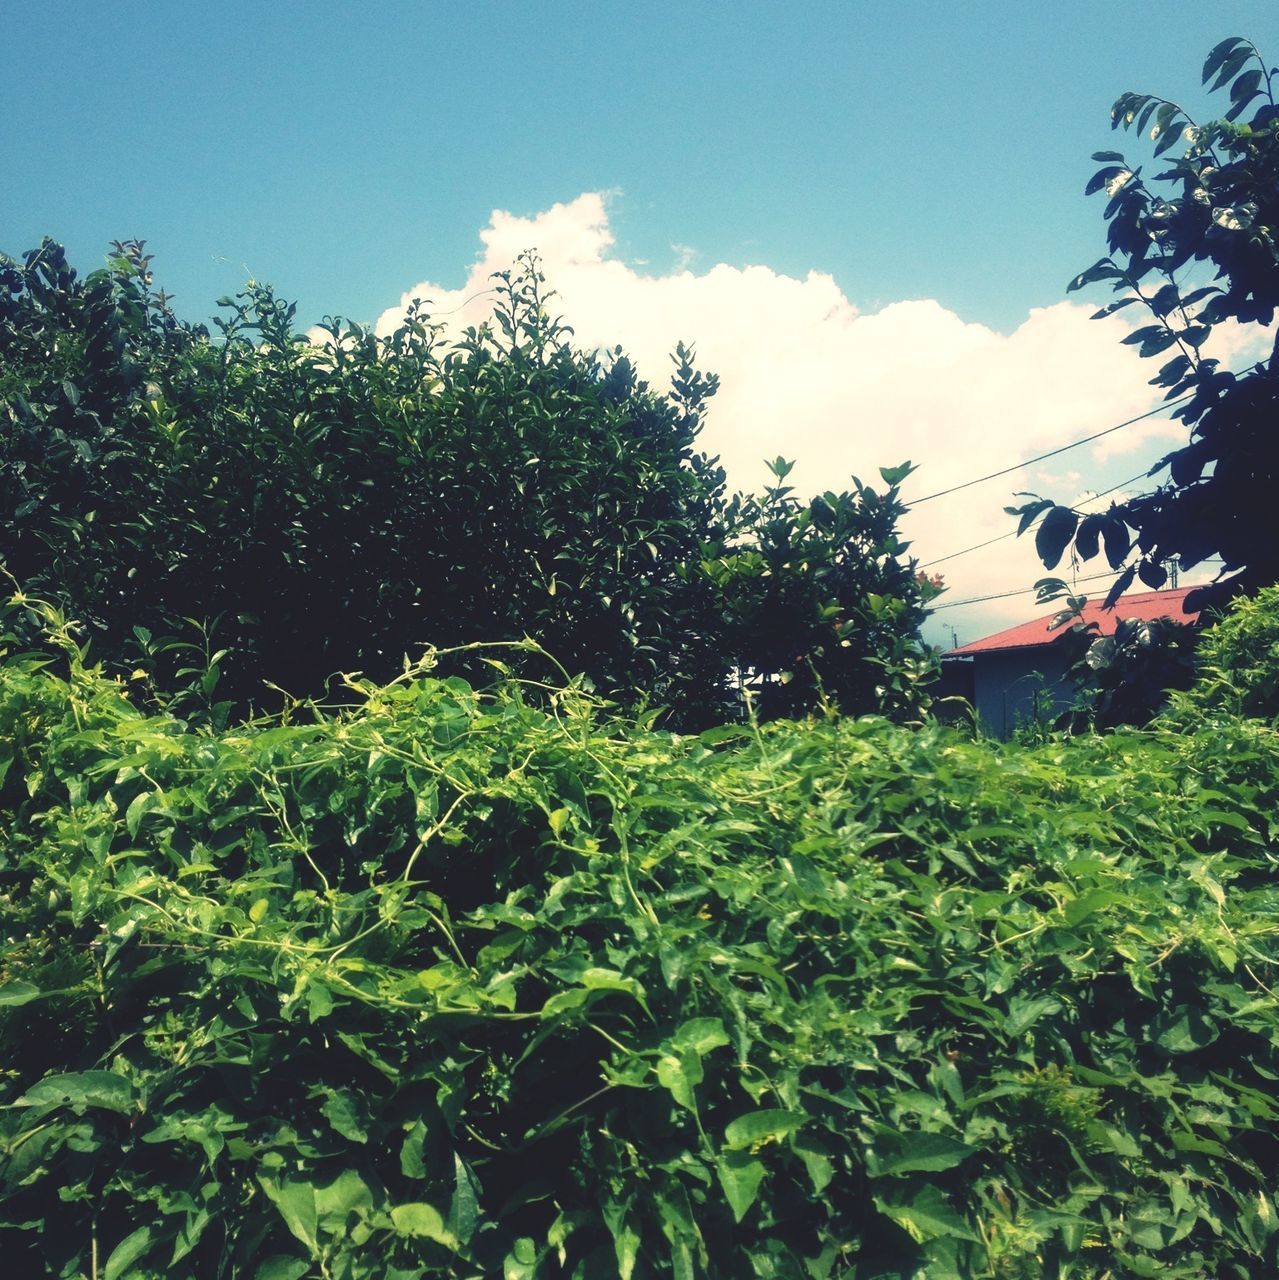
(1264, 1219)
(1054, 532)
(680, 1074)
(682, 1267)
(521, 1262)
(756, 1128)
(817, 1164)
(137, 809)
(341, 1112)
(739, 1176)
(127, 1252)
(1024, 1012)
(1185, 1031)
(420, 1220)
(924, 1214)
(341, 1197)
(626, 1243)
(81, 1089)
(18, 992)
(917, 1153)
(700, 1035)
(295, 1201)
(464, 1207)
(893, 476)
(598, 979)
(279, 1266)
(1116, 540)
(412, 1152)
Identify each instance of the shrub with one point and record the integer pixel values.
(1239, 661)
(280, 510)
(446, 982)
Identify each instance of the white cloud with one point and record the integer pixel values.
(685, 256)
(805, 374)
(1140, 439)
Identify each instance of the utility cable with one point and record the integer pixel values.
(1052, 453)
(1004, 595)
(1012, 533)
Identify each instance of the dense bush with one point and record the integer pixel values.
(1238, 658)
(273, 511)
(446, 983)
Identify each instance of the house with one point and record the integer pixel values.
(1019, 675)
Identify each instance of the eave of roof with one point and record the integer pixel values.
(1035, 634)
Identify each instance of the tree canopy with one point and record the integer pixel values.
(232, 510)
(1197, 245)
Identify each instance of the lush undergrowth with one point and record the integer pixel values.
(448, 983)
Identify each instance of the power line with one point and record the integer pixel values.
(977, 546)
(1004, 595)
(1012, 533)
(1017, 591)
(1052, 453)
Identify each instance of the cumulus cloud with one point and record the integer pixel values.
(806, 374)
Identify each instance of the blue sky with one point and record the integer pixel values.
(907, 152)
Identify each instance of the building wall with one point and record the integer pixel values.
(1016, 686)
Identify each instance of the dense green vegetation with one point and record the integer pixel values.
(457, 983)
(463, 963)
(276, 511)
(1239, 662)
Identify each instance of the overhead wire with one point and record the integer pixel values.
(1052, 453)
(1017, 591)
(1004, 595)
(1012, 533)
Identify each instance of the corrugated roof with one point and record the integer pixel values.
(1147, 606)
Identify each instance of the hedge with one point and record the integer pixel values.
(466, 983)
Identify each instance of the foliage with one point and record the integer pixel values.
(445, 982)
(1200, 251)
(1239, 662)
(838, 563)
(1040, 723)
(1123, 678)
(283, 510)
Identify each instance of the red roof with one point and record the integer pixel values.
(1147, 606)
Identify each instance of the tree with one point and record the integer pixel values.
(837, 567)
(232, 511)
(1198, 246)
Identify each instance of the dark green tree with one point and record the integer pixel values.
(838, 564)
(246, 508)
(1197, 245)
